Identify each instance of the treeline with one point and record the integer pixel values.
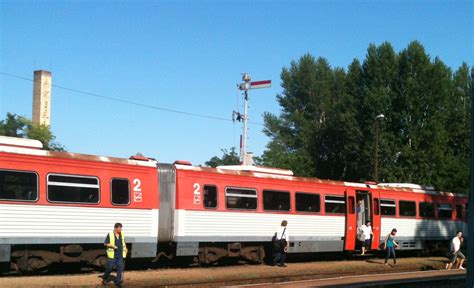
(327, 124)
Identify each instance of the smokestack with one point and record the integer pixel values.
(42, 97)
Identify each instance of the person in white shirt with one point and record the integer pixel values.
(456, 252)
(282, 243)
(366, 236)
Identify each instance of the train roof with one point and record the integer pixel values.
(34, 147)
(281, 174)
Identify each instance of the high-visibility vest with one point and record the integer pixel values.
(110, 251)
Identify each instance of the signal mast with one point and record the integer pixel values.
(245, 86)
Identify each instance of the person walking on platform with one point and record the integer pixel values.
(455, 252)
(116, 253)
(390, 245)
(281, 243)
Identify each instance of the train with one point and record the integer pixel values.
(57, 207)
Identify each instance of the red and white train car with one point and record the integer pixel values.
(58, 207)
(235, 210)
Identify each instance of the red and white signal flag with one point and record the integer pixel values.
(260, 84)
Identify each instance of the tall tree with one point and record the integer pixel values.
(327, 125)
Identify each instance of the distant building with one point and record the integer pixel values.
(42, 97)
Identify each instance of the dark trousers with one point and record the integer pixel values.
(279, 257)
(114, 263)
(391, 251)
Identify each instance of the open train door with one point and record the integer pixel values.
(376, 221)
(351, 225)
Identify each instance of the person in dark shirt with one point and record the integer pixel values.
(116, 249)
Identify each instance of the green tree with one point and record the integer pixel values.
(327, 125)
(228, 158)
(18, 126)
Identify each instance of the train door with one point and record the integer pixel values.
(351, 228)
(367, 209)
(376, 221)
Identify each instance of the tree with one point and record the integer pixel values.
(327, 125)
(228, 158)
(18, 126)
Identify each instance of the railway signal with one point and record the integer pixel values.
(245, 86)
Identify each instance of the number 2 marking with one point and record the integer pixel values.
(197, 194)
(137, 190)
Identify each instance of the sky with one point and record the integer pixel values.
(189, 56)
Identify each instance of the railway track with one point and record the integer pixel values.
(232, 275)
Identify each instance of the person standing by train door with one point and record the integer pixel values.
(116, 253)
(281, 245)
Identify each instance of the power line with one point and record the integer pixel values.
(129, 102)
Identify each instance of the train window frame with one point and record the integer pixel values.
(276, 191)
(203, 197)
(400, 208)
(432, 205)
(241, 188)
(388, 205)
(73, 175)
(351, 205)
(111, 192)
(438, 205)
(344, 202)
(311, 194)
(376, 206)
(37, 186)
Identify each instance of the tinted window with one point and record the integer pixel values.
(73, 189)
(335, 204)
(210, 196)
(120, 192)
(458, 211)
(276, 200)
(407, 208)
(376, 206)
(426, 209)
(308, 202)
(445, 211)
(241, 198)
(21, 186)
(387, 207)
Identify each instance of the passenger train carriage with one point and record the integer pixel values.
(58, 207)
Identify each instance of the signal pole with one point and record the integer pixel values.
(470, 220)
(245, 86)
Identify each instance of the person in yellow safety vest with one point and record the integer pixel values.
(116, 253)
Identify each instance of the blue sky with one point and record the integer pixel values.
(188, 55)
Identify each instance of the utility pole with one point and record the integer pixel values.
(245, 86)
(378, 119)
(470, 220)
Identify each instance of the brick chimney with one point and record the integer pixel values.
(42, 97)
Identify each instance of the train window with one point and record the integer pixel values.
(426, 209)
(407, 208)
(73, 189)
(120, 191)
(458, 211)
(241, 198)
(445, 211)
(335, 204)
(18, 186)
(306, 202)
(276, 200)
(351, 205)
(376, 206)
(387, 207)
(210, 196)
